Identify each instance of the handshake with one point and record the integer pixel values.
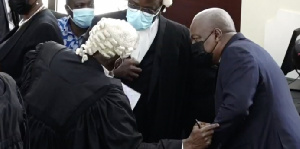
(201, 136)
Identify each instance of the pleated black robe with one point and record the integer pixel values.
(73, 105)
(12, 120)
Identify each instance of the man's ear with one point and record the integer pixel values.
(218, 34)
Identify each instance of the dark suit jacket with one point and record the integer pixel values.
(254, 106)
(41, 28)
(164, 81)
(73, 105)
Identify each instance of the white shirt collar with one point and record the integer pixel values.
(106, 72)
(146, 38)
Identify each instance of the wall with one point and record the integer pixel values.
(183, 11)
(101, 6)
(270, 23)
(255, 13)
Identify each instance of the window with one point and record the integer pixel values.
(45, 2)
(101, 6)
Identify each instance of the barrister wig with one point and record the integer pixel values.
(110, 37)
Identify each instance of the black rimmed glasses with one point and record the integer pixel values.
(145, 11)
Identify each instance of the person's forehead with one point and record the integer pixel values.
(197, 28)
(82, 1)
(147, 3)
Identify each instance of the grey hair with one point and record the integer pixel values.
(216, 18)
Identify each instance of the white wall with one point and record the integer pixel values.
(270, 23)
(101, 6)
(255, 13)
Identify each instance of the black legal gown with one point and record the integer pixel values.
(12, 124)
(40, 28)
(73, 105)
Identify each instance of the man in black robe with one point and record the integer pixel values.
(38, 26)
(163, 75)
(12, 124)
(74, 105)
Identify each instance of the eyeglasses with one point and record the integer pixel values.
(145, 11)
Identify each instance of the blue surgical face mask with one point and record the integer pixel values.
(83, 17)
(138, 19)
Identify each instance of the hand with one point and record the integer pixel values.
(200, 138)
(128, 70)
(201, 124)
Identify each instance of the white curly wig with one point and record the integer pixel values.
(167, 3)
(110, 37)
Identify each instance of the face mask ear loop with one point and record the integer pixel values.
(215, 45)
(71, 11)
(214, 48)
(70, 8)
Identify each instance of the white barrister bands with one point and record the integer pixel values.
(109, 37)
(167, 3)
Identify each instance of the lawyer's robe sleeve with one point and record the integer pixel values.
(11, 116)
(110, 124)
(239, 82)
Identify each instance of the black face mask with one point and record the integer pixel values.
(21, 7)
(201, 57)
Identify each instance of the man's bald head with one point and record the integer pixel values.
(212, 18)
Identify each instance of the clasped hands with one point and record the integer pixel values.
(200, 137)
